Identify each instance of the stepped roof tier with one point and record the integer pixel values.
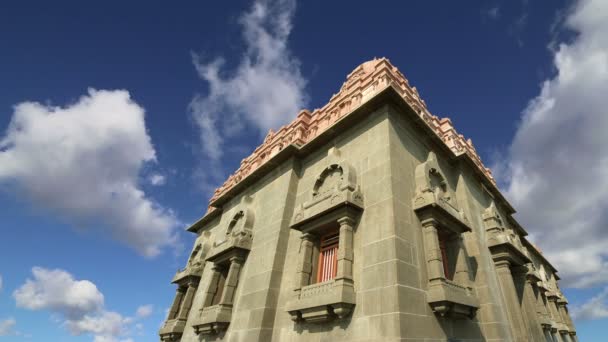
(362, 84)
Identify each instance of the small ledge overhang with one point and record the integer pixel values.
(237, 244)
(172, 330)
(428, 208)
(322, 302)
(545, 322)
(504, 249)
(211, 214)
(213, 319)
(452, 300)
(328, 208)
(191, 273)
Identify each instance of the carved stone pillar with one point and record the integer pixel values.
(187, 302)
(179, 295)
(305, 260)
(533, 321)
(232, 280)
(345, 249)
(518, 327)
(212, 287)
(552, 303)
(461, 273)
(433, 252)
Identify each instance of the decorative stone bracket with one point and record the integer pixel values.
(435, 205)
(336, 200)
(502, 242)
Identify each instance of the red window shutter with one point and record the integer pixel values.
(328, 257)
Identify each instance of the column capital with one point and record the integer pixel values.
(237, 259)
(503, 264)
(346, 221)
(308, 237)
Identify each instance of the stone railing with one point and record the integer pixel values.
(316, 289)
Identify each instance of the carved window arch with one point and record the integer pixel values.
(327, 220)
(443, 223)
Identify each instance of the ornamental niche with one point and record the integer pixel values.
(324, 288)
(449, 290)
(227, 256)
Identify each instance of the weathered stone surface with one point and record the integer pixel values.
(423, 247)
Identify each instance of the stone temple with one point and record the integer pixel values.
(369, 219)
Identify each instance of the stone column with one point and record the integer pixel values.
(345, 249)
(552, 303)
(212, 287)
(176, 303)
(305, 261)
(433, 252)
(461, 273)
(518, 327)
(232, 280)
(187, 302)
(529, 305)
(565, 316)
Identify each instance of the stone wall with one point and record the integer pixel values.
(393, 261)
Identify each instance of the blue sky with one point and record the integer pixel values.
(117, 119)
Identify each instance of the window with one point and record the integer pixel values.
(221, 281)
(328, 257)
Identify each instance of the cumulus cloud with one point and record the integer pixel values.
(557, 170)
(57, 290)
(6, 326)
(78, 303)
(83, 161)
(144, 311)
(595, 308)
(264, 91)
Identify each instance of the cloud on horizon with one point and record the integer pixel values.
(79, 303)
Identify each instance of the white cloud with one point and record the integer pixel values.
(265, 90)
(1, 284)
(157, 179)
(6, 326)
(105, 326)
(79, 304)
(595, 308)
(492, 13)
(144, 311)
(557, 170)
(83, 161)
(58, 291)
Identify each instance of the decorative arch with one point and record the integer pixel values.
(337, 183)
(430, 178)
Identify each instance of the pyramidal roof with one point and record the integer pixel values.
(365, 81)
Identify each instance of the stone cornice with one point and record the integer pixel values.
(364, 83)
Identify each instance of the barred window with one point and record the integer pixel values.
(328, 257)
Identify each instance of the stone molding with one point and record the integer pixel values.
(362, 84)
